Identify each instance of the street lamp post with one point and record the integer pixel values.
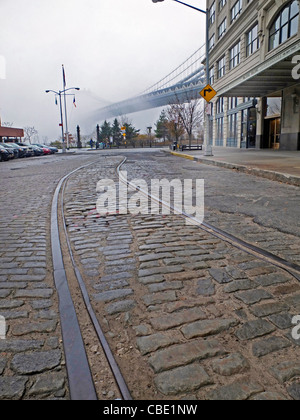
(208, 148)
(150, 138)
(60, 93)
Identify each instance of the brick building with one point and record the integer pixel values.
(9, 134)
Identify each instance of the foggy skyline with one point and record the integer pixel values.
(111, 49)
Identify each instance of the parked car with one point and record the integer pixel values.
(46, 150)
(29, 149)
(37, 150)
(12, 149)
(22, 150)
(53, 150)
(4, 153)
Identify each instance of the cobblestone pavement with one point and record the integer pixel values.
(31, 357)
(186, 314)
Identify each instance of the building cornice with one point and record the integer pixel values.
(281, 55)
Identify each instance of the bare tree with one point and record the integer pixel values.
(174, 124)
(29, 133)
(189, 113)
(7, 124)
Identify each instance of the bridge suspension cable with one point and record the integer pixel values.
(190, 67)
(186, 81)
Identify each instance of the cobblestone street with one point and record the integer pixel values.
(186, 314)
(31, 357)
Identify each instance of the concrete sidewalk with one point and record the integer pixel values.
(279, 166)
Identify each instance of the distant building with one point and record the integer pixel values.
(255, 69)
(9, 134)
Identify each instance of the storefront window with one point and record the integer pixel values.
(232, 130)
(220, 132)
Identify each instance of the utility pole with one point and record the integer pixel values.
(60, 93)
(62, 124)
(65, 101)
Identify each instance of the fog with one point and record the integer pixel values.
(111, 49)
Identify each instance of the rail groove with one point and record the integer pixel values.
(80, 379)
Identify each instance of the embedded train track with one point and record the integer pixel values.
(81, 382)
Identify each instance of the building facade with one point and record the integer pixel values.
(254, 65)
(9, 134)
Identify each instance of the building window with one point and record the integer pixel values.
(244, 128)
(212, 13)
(232, 138)
(252, 41)
(222, 28)
(285, 25)
(221, 4)
(220, 105)
(220, 132)
(236, 10)
(221, 67)
(232, 102)
(234, 55)
(211, 76)
(211, 42)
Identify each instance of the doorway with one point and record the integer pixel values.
(251, 137)
(248, 132)
(272, 130)
(274, 133)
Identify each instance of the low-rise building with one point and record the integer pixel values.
(9, 134)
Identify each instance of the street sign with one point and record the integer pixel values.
(123, 128)
(208, 93)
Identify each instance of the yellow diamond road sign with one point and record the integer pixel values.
(208, 93)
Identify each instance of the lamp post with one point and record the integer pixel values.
(150, 138)
(60, 93)
(208, 148)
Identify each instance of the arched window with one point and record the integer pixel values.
(285, 25)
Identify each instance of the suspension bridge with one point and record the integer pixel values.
(182, 84)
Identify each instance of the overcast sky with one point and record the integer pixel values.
(111, 49)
